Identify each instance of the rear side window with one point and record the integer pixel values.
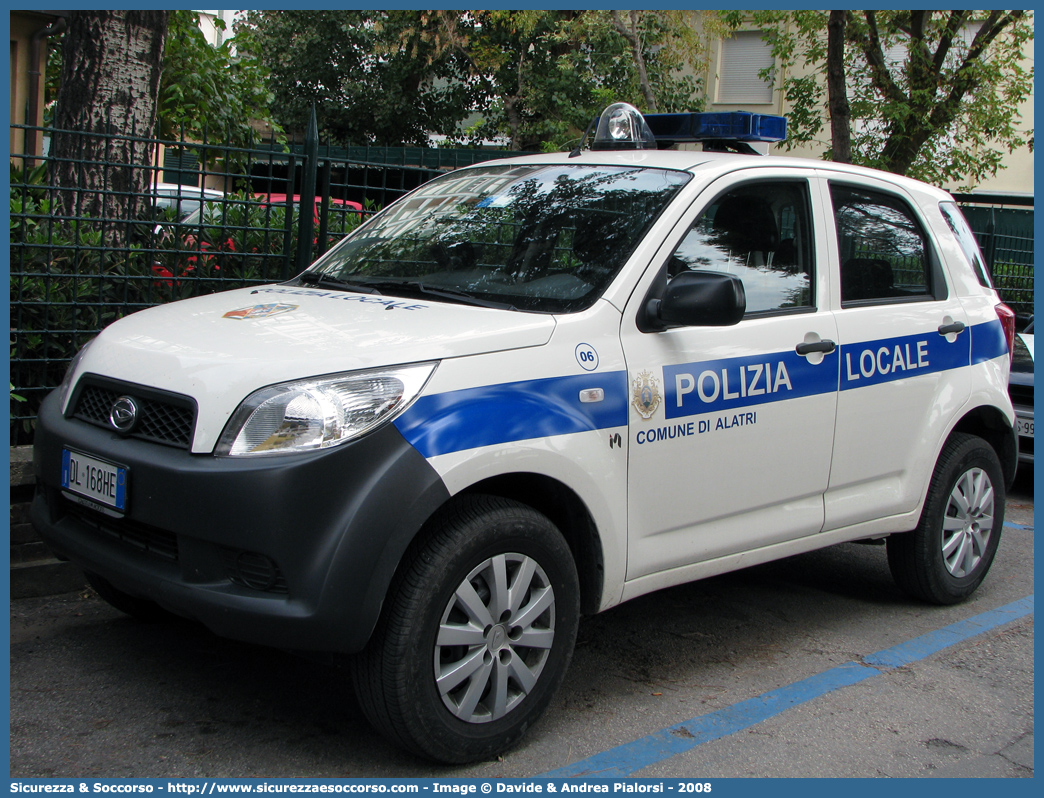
(882, 248)
(966, 238)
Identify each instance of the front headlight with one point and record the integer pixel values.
(66, 383)
(319, 413)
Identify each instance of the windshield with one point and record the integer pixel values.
(546, 238)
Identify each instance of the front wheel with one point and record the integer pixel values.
(949, 553)
(476, 635)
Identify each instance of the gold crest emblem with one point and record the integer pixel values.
(260, 311)
(645, 394)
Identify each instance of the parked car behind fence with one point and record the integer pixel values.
(182, 200)
(243, 237)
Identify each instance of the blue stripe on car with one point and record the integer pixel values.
(988, 342)
(493, 414)
(888, 359)
(712, 385)
(514, 411)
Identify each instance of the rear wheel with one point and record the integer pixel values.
(949, 553)
(476, 635)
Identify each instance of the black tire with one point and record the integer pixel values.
(139, 608)
(947, 556)
(477, 544)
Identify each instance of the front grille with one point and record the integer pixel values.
(162, 417)
(149, 539)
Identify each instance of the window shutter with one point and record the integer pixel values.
(743, 56)
(180, 166)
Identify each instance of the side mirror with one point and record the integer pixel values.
(697, 299)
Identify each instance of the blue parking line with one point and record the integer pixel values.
(623, 760)
(928, 644)
(1017, 526)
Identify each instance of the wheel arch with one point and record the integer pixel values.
(569, 513)
(990, 424)
(566, 510)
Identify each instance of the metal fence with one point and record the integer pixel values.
(1005, 235)
(71, 274)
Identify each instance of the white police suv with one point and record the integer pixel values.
(537, 388)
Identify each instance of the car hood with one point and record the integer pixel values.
(220, 348)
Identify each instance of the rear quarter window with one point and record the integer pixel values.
(966, 238)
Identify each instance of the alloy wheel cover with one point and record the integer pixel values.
(494, 638)
(967, 522)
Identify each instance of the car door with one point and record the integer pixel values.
(904, 346)
(731, 429)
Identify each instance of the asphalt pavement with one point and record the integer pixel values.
(811, 666)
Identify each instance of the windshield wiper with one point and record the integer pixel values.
(329, 281)
(452, 294)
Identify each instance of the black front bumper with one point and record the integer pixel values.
(201, 534)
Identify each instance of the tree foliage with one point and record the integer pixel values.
(534, 78)
(546, 74)
(932, 94)
(208, 90)
(668, 49)
(372, 78)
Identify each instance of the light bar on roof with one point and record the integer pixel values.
(624, 127)
(720, 126)
(621, 127)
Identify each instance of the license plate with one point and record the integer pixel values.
(1024, 427)
(100, 481)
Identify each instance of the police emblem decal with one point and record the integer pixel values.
(645, 394)
(260, 311)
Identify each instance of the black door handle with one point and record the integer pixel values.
(825, 346)
(956, 327)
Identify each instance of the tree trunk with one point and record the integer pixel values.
(905, 139)
(106, 108)
(837, 92)
(632, 36)
(514, 120)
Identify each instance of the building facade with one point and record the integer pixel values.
(733, 83)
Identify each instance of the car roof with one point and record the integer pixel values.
(174, 189)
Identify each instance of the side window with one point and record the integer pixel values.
(762, 233)
(966, 238)
(883, 250)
